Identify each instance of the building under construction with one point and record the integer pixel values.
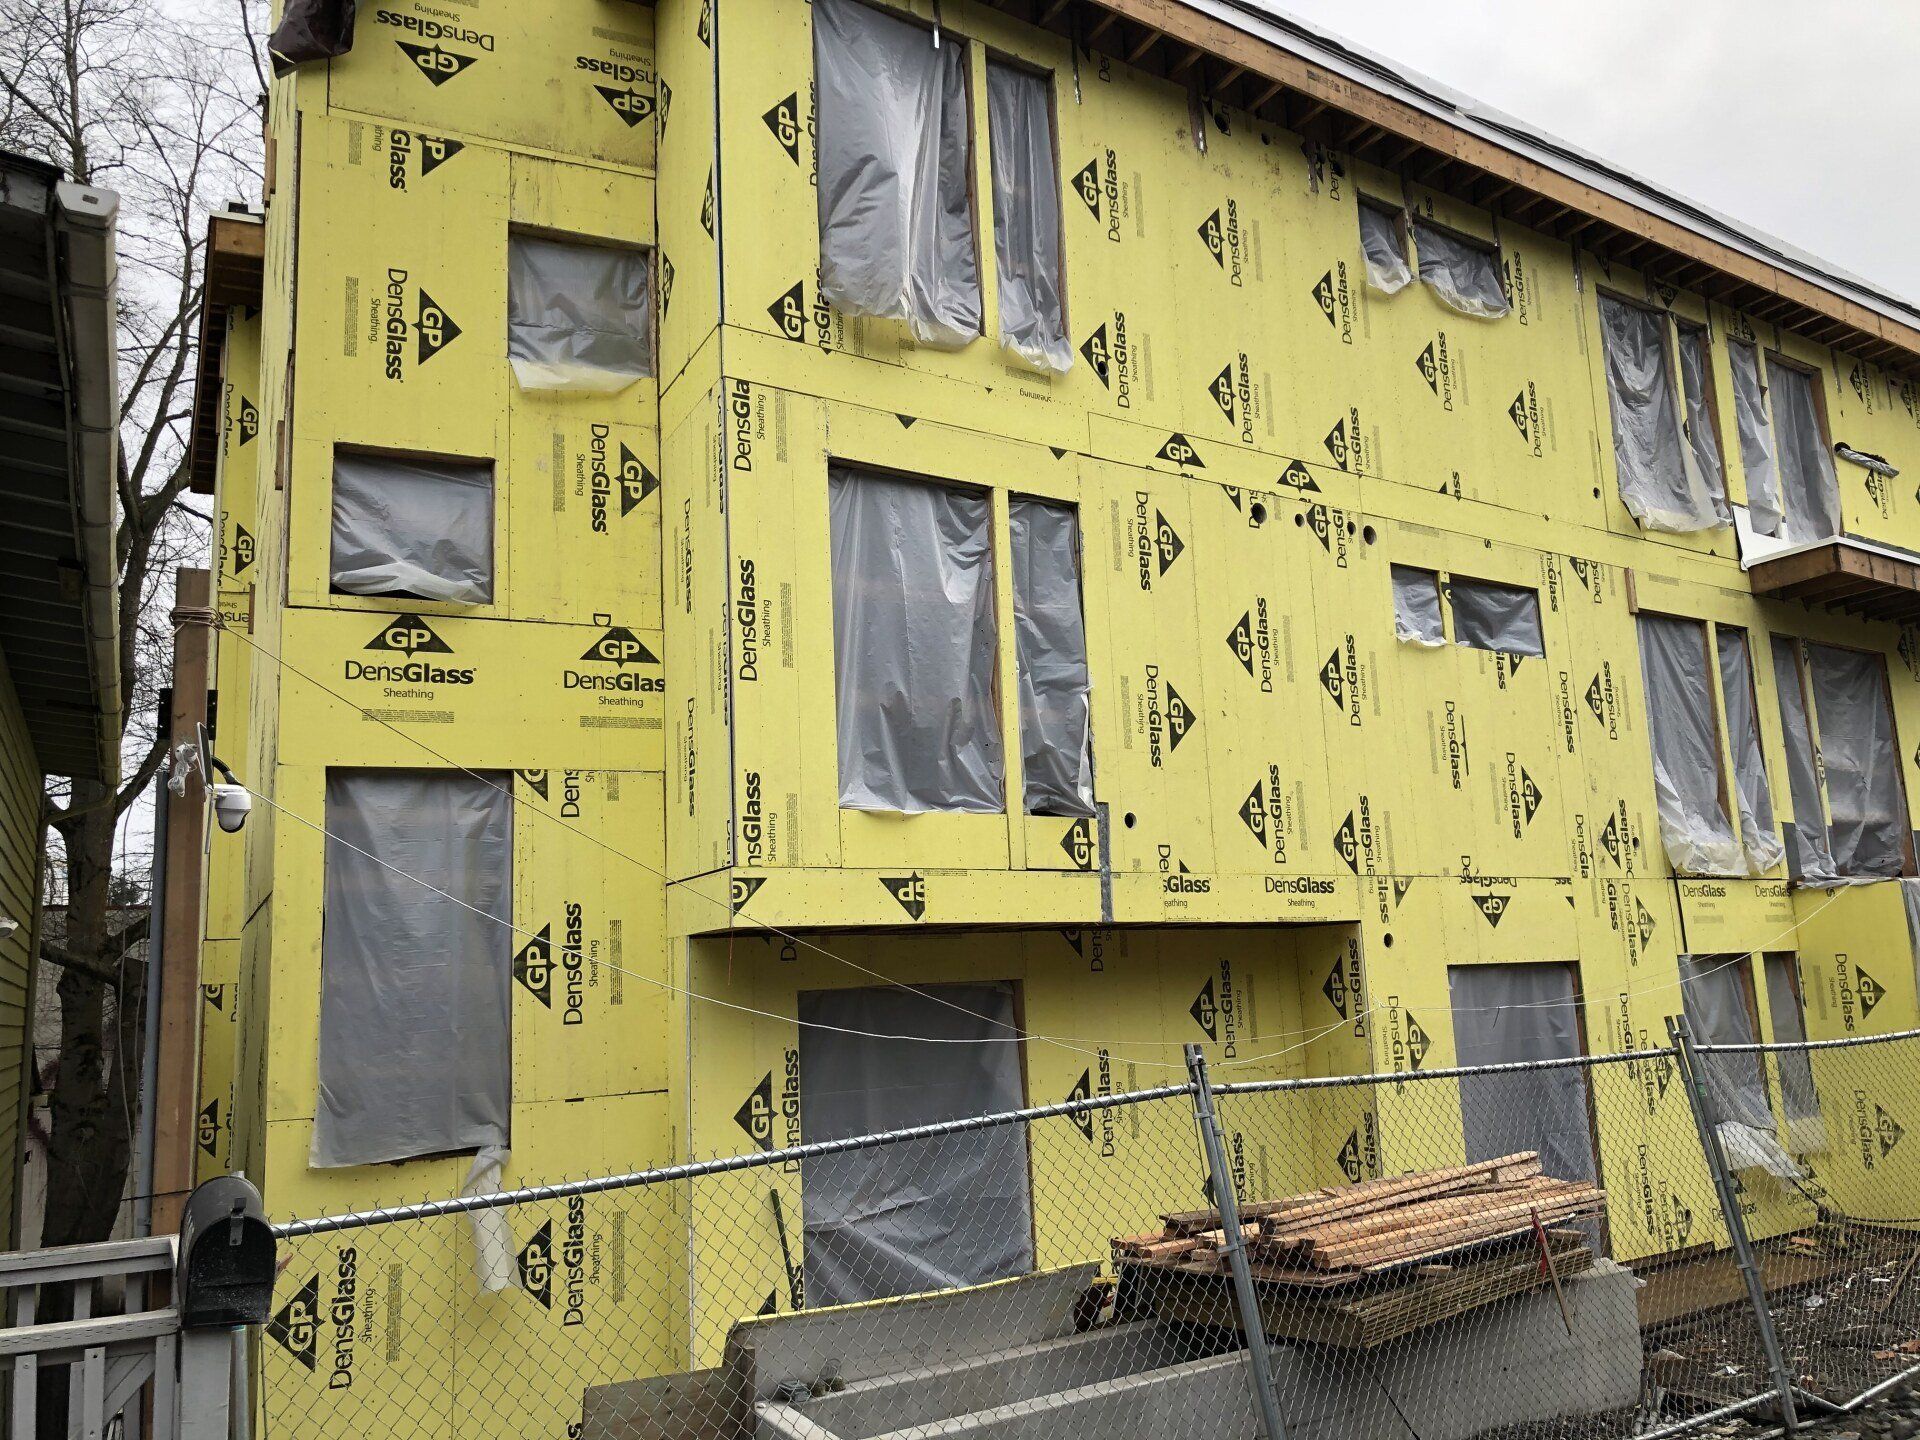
(1132, 519)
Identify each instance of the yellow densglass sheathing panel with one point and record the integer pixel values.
(689, 261)
(699, 741)
(574, 78)
(219, 1022)
(580, 477)
(585, 863)
(1236, 993)
(473, 692)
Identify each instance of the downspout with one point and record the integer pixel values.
(150, 1021)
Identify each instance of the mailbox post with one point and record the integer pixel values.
(223, 1283)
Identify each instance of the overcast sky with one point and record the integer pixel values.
(1802, 119)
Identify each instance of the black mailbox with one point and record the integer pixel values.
(225, 1267)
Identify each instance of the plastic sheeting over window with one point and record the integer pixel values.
(1495, 617)
(1416, 606)
(1385, 251)
(914, 645)
(921, 1214)
(1759, 838)
(1506, 1014)
(1694, 824)
(1703, 436)
(1808, 485)
(1050, 636)
(415, 1032)
(1660, 481)
(1809, 860)
(1465, 276)
(413, 527)
(1719, 1010)
(1026, 217)
(896, 214)
(579, 317)
(1756, 438)
(1798, 1100)
(1866, 807)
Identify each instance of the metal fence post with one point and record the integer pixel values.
(1220, 1182)
(1690, 1075)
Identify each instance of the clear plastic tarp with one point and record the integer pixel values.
(914, 645)
(1509, 1014)
(1703, 436)
(1799, 1102)
(1719, 1009)
(1809, 859)
(1050, 635)
(920, 1214)
(1866, 806)
(415, 1033)
(1694, 824)
(1759, 838)
(1487, 616)
(1465, 276)
(1416, 606)
(1660, 481)
(579, 317)
(896, 211)
(413, 527)
(1808, 485)
(1756, 438)
(1026, 217)
(1385, 251)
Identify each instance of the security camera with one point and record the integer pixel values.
(231, 806)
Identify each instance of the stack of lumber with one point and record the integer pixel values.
(1342, 1234)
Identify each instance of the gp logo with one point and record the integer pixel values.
(620, 646)
(409, 635)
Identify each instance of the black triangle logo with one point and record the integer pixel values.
(1222, 391)
(637, 482)
(1098, 357)
(436, 62)
(1418, 1043)
(215, 995)
(744, 888)
(1087, 184)
(248, 421)
(629, 104)
(207, 1132)
(1181, 452)
(784, 121)
(1204, 1011)
(409, 635)
(789, 313)
(906, 421)
(297, 1323)
(1346, 843)
(1335, 988)
(1240, 641)
(1491, 907)
(1078, 843)
(910, 891)
(1083, 1091)
(536, 1265)
(1350, 1156)
(533, 966)
(435, 152)
(1529, 795)
(243, 549)
(1166, 541)
(1323, 297)
(535, 780)
(436, 328)
(1253, 813)
(755, 1115)
(1872, 992)
(620, 646)
(1429, 370)
(1180, 719)
(1214, 239)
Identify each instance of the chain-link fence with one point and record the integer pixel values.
(1506, 1251)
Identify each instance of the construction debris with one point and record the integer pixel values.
(1340, 1235)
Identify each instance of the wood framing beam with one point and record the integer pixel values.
(1272, 62)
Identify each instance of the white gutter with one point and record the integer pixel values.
(88, 265)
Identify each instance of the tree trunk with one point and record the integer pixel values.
(94, 1099)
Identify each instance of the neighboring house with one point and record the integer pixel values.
(1129, 518)
(60, 701)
